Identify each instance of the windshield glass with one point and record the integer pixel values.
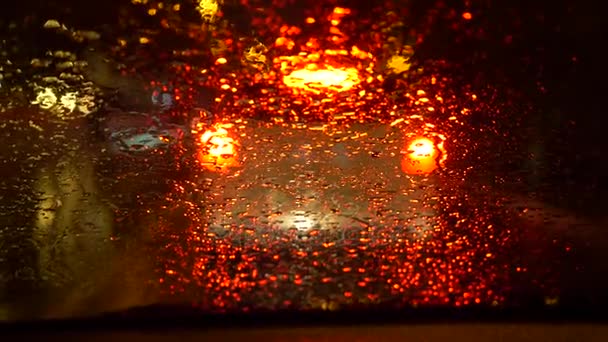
(246, 155)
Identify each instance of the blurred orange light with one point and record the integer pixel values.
(467, 16)
(341, 10)
(219, 149)
(421, 157)
(314, 79)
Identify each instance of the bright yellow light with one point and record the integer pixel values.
(64, 104)
(398, 64)
(421, 157)
(208, 9)
(220, 144)
(316, 80)
(46, 98)
(219, 149)
(422, 148)
(68, 101)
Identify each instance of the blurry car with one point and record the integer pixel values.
(308, 177)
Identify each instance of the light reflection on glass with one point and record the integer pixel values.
(314, 79)
(420, 157)
(218, 148)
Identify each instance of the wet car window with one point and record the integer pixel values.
(295, 154)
